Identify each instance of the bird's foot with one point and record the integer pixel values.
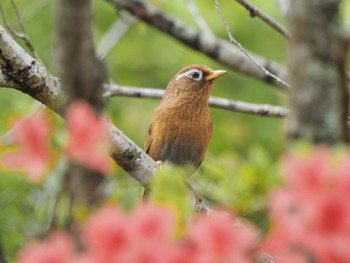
(159, 165)
(145, 194)
(199, 204)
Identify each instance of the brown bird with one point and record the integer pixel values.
(181, 125)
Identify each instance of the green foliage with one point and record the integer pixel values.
(169, 187)
(16, 220)
(124, 190)
(241, 184)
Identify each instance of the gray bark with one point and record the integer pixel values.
(313, 68)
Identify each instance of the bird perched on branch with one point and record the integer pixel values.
(181, 125)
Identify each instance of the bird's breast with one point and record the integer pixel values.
(179, 138)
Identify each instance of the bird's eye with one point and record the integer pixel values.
(195, 75)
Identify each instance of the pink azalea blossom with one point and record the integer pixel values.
(216, 238)
(311, 215)
(152, 223)
(57, 248)
(88, 137)
(107, 235)
(113, 235)
(152, 229)
(32, 136)
(147, 234)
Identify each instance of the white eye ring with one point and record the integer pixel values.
(194, 74)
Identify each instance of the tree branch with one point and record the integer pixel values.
(28, 75)
(220, 50)
(31, 77)
(284, 6)
(114, 34)
(200, 21)
(221, 103)
(249, 56)
(24, 36)
(5, 82)
(255, 12)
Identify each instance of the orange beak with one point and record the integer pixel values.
(215, 74)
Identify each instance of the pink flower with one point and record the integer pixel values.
(141, 236)
(56, 249)
(309, 173)
(88, 137)
(152, 228)
(216, 238)
(107, 234)
(311, 215)
(152, 223)
(147, 235)
(32, 135)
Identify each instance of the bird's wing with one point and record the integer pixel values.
(149, 139)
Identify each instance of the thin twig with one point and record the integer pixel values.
(344, 86)
(24, 36)
(216, 48)
(54, 187)
(200, 21)
(236, 43)
(255, 12)
(18, 17)
(221, 103)
(114, 34)
(36, 7)
(284, 6)
(52, 213)
(249, 108)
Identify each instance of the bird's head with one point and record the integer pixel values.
(195, 78)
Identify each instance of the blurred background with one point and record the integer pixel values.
(241, 163)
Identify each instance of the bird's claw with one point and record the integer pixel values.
(159, 165)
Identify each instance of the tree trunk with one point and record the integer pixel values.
(315, 98)
(82, 76)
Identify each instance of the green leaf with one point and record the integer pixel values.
(169, 187)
